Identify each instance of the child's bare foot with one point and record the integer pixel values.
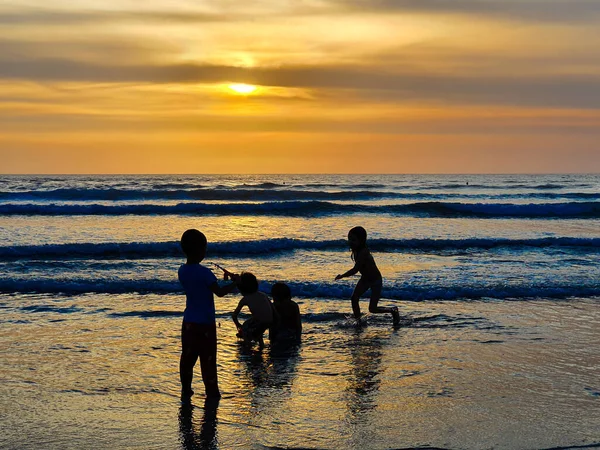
(186, 395)
(213, 395)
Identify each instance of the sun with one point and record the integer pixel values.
(241, 88)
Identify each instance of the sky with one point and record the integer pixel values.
(338, 86)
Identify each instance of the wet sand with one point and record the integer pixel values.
(465, 375)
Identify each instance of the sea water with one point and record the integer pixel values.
(500, 273)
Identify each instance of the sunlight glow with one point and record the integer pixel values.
(242, 88)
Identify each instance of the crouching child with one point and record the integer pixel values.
(260, 308)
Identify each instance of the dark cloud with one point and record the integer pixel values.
(51, 17)
(56, 69)
(530, 10)
(375, 83)
(524, 58)
(84, 48)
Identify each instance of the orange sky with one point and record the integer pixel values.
(390, 86)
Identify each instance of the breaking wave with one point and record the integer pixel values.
(264, 247)
(264, 194)
(317, 208)
(319, 290)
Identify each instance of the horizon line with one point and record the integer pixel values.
(296, 174)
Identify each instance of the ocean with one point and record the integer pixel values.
(501, 274)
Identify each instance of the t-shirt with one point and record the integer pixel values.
(259, 305)
(200, 302)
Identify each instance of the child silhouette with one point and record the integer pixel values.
(370, 276)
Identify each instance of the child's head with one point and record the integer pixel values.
(193, 244)
(248, 283)
(357, 238)
(281, 292)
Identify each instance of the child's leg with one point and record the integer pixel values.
(361, 287)
(261, 341)
(260, 331)
(248, 328)
(254, 332)
(208, 359)
(375, 296)
(189, 355)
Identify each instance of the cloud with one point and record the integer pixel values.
(373, 82)
(519, 66)
(84, 49)
(526, 10)
(50, 17)
(529, 10)
(382, 122)
(221, 11)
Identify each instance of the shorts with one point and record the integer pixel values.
(253, 329)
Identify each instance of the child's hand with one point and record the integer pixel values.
(338, 277)
(227, 275)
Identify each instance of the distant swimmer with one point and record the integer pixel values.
(370, 276)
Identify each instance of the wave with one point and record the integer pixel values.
(424, 293)
(431, 321)
(75, 194)
(423, 321)
(201, 194)
(265, 247)
(153, 313)
(313, 290)
(545, 186)
(146, 314)
(399, 183)
(270, 185)
(584, 210)
(51, 308)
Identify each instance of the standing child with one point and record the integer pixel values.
(199, 331)
(259, 306)
(370, 276)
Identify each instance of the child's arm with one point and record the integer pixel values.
(351, 272)
(236, 312)
(298, 322)
(226, 273)
(276, 316)
(222, 291)
(357, 265)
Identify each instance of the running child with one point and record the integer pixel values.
(370, 276)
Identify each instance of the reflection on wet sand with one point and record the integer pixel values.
(262, 383)
(270, 372)
(364, 381)
(363, 384)
(206, 437)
